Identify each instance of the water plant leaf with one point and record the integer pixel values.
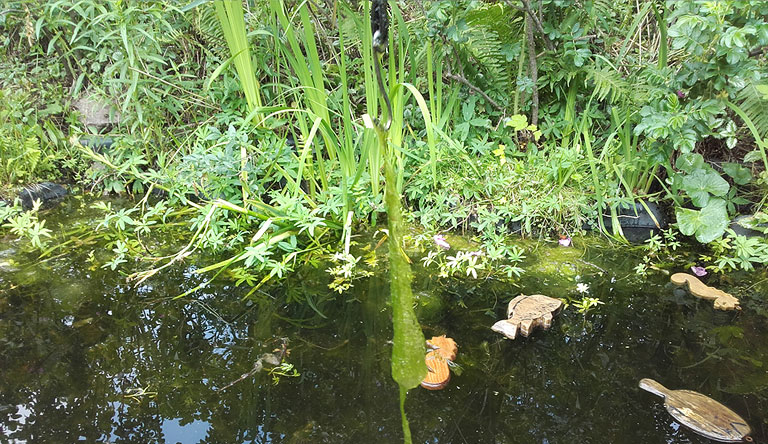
(703, 182)
(706, 224)
(408, 349)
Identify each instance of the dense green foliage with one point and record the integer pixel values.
(249, 119)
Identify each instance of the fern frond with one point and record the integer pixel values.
(506, 23)
(608, 83)
(206, 26)
(755, 106)
(491, 28)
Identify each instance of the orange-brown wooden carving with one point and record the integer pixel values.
(442, 351)
(723, 300)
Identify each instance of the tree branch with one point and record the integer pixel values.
(533, 70)
(536, 22)
(757, 51)
(473, 88)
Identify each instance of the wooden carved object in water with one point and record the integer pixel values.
(723, 300)
(525, 313)
(442, 351)
(700, 413)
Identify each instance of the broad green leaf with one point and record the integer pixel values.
(740, 175)
(518, 122)
(714, 218)
(703, 182)
(688, 220)
(706, 224)
(690, 162)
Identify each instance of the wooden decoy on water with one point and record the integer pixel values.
(700, 413)
(525, 313)
(723, 300)
(442, 353)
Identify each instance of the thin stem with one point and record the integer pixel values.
(383, 90)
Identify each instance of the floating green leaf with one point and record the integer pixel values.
(408, 366)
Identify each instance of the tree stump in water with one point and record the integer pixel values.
(723, 300)
(526, 313)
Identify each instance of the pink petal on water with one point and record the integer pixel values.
(565, 241)
(441, 242)
(699, 271)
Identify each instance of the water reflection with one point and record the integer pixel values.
(75, 341)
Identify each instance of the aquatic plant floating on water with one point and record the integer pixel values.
(408, 367)
(582, 287)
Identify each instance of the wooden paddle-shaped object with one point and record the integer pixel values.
(700, 413)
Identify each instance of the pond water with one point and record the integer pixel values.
(85, 356)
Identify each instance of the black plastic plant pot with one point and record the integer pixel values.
(97, 143)
(47, 192)
(637, 223)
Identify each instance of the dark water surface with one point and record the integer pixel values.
(76, 339)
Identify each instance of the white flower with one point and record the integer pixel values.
(582, 287)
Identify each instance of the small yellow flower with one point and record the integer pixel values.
(500, 154)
